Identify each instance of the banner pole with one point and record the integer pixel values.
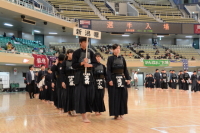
(86, 54)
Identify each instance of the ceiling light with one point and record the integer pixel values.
(160, 36)
(10, 64)
(37, 31)
(125, 35)
(53, 33)
(7, 24)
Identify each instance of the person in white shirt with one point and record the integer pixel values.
(136, 80)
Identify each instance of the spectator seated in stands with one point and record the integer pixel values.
(8, 43)
(130, 55)
(142, 58)
(163, 57)
(33, 52)
(176, 57)
(4, 34)
(157, 52)
(9, 46)
(13, 37)
(155, 57)
(193, 58)
(139, 44)
(158, 57)
(125, 53)
(147, 56)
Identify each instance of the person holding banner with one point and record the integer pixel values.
(84, 84)
(68, 84)
(57, 70)
(99, 76)
(118, 78)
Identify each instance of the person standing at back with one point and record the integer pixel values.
(186, 81)
(157, 78)
(136, 80)
(194, 81)
(30, 78)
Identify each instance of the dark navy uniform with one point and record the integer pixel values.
(164, 80)
(180, 81)
(57, 70)
(173, 81)
(84, 84)
(99, 76)
(194, 83)
(186, 78)
(69, 92)
(48, 82)
(157, 79)
(118, 95)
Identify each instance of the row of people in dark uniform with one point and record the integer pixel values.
(182, 79)
(77, 84)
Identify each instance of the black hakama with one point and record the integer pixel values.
(84, 93)
(150, 82)
(98, 105)
(173, 84)
(118, 96)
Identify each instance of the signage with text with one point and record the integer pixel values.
(86, 33)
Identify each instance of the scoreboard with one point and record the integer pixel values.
(138, 27)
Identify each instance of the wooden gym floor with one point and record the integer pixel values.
(150, 111)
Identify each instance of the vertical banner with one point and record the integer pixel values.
(40, 60)
(15, 71)
(51, 59)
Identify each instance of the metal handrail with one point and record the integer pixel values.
(41, 8)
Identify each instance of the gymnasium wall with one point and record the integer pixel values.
(17, 78)
(9, 32)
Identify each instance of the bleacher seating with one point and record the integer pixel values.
(25, 46)
(187, 51)
(163, 10)
(105, 11)
(74, 9)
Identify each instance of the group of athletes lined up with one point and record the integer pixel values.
(74, 91)
(182, 79)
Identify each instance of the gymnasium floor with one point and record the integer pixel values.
(150, 111)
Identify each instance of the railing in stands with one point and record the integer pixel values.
(40, 8)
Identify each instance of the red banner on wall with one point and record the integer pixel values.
(39, 60)
(197, 28)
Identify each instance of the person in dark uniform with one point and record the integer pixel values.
(173, 80)
(180, 80)
(186, 82)
(164, 79)
(48, 85)
(198, 84)
(194, 81)
(146, 81)
(157, 78)
(41, 73)
(150, 81)
(36, 88)
(30, 79)
(57, 70)
(99, 76)
(117, 75)
(170, 77)
(68, 84)
(84, 82)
